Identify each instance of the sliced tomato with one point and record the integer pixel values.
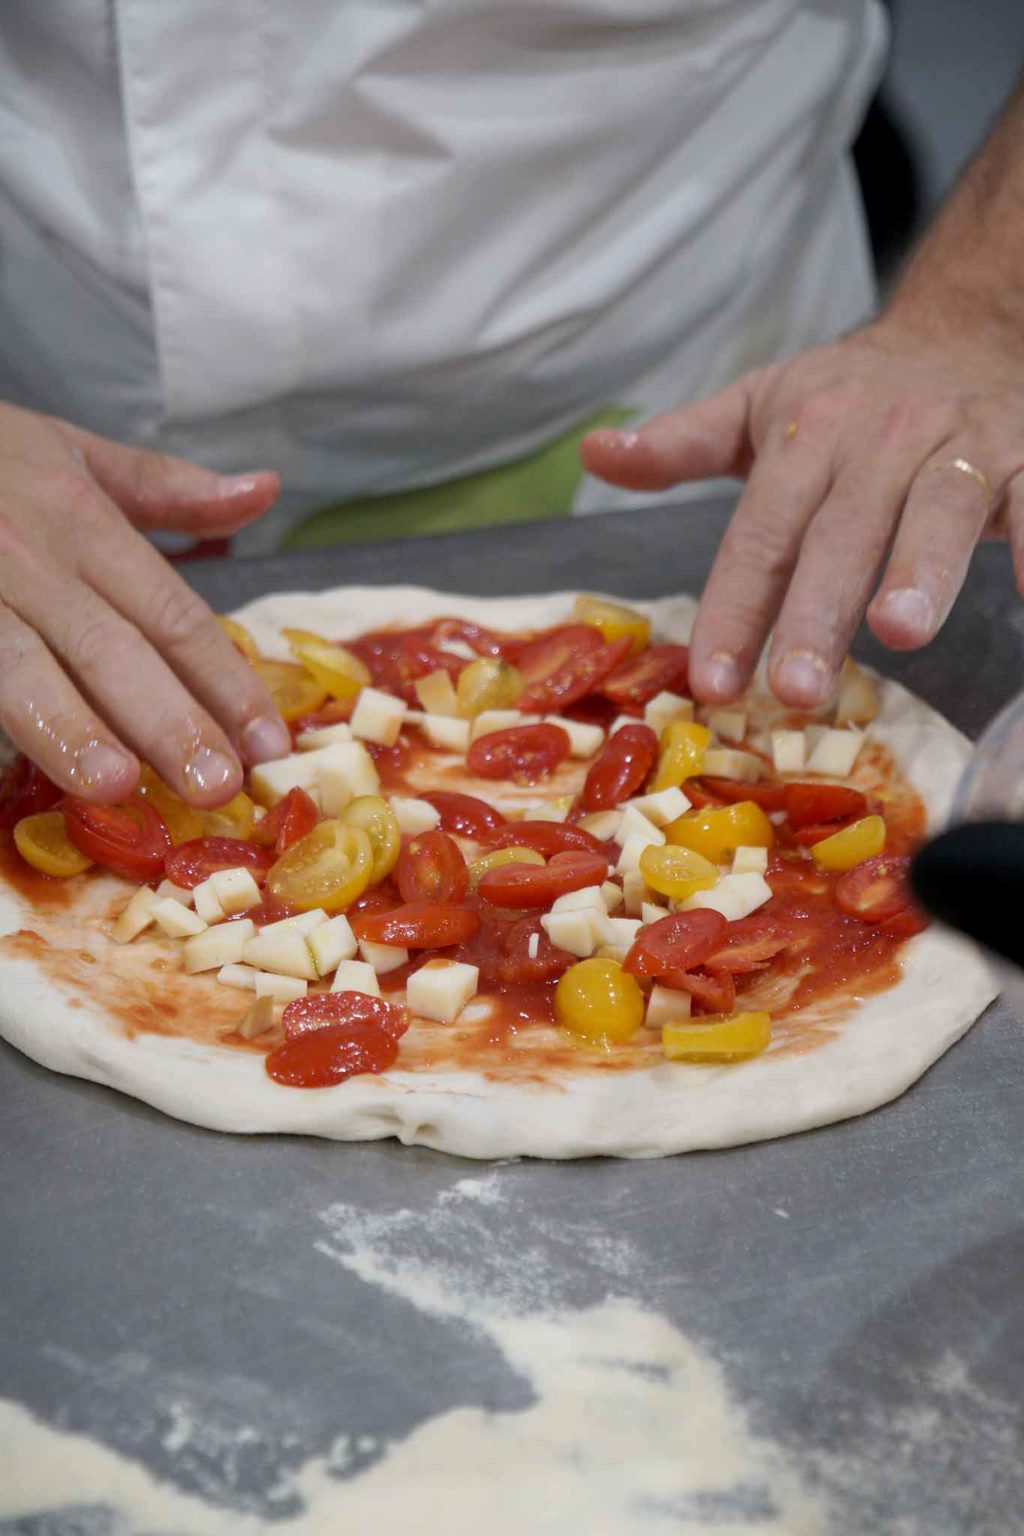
(486, 642)
(593, 709)
(538, 885)
(877, 890)
(25, 791)
(419, 657)
(621, 769)
(565, 665)
(701, 797)
(676, 943)
(809, 803)
(464, 814)
(385, 653)
(711, 994)
(418, 925)
(518, 967)
(131, 839)
(269, 910)
(322, 1057)
(659, 669)
(770, 797)
(379, 898)
(546, 837)
(287, 821)
(748, 944)
(525, 753)
(817, 831)
(431, 868)
(191, 863)
(334, 712)
(905, 924)
(323, 1010)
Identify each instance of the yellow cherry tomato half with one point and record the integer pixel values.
(718, 832)
(599, 1002)
(855, 843)
(614, 620)
(335, 668)
(294, 690)
(717, 1039)
(330, 867)
(487, 683)
(677, 872)
(240, 637)
(43, 842)
(184, 822)
(375, 817)
(680, 754)
(236, 819)
(499, 856)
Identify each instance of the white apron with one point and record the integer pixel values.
(378, 244)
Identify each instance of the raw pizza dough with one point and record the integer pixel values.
(883, 1047)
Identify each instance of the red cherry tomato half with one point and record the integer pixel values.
(564, 665)
(334, 712)
(809, 803)
(748, 944)
(269, 910)
(418, 925)
(817, 831)
(770, 797)
(876, 890)
(538, 885)
(711, 994)
(464, 814)
(518, 967)
(431, 868)
(287, 821)
(905, 924)
(324, 1010)
(676, 943)
(130, 839)
(546, 837)
(659, 669)
(420, 657)
(322, 1057)
(486, 642)
(191, 863)
(24, 792)
(525, 753)
(622, 768)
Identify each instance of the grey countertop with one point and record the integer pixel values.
(859, 1285)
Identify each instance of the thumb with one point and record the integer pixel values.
(692, 442)
(154, 490)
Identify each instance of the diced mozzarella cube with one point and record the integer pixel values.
(283, 989)
(728, 724)
(436, 693)
(223, 945)
(731, 763)
(499, 720)
(383, 957)
(632, 848)
(835, 753)
(665, 708)
(666, 1005)
(356, 976)
(590, 898)
(241, 976)
(272, 781)
(323, 736)
(258, 1020)
(343, 773)
(378, 717)
(286, 953)
(621, 931)
(414, 815)
(620, 721)
(458, 648)
(750, 861)
(442, 731)
(532, 946)
(650, 912)
(789, 754)
(332, 942)
(612, 895)
(601, 824)
(812, 735)
(302, 922)
(584, 740)
(858, 697)
(207, 902)
(574, 931)
(617, 952)
(441, 989)
(553, 810)
(167, 888)
(635, 824)
(635, 892)
(661, 808)
(136, 917)
(735, 896)
(236, 890)
(176, 921)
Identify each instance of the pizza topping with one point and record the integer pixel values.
(25, 791)
(441, 989)
(807, 804)
(680, 754)
(324, 1010)
(131, 840)
(294, 691)
(717, 833)
(191, 863)
(524, 753)
(546, 837)
(215, 947)
(322, 1057)
(789, 751)
(852, 845)
(526, 885)
(622, 769)
(748, 944)
(290, 819)
(659, 669)
(431, 867)
(356, 976)
(487, 683)
(565, 664)
(336, 669)
(665, 709)
(676, 943)
(378, 819)
(419, 925)
(833, 753)
(770, 797)
(328, 868)
(750, 861)
(735, 896)
(677, 872)
(728, 724)
(877, 890)
(42, 840)
(378, 717)
(728, 1039)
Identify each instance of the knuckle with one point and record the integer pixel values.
(98, 641)
(177, 616)
(762, 545)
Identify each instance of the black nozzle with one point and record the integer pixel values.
(972, 878)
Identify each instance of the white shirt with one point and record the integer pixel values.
(380, 243)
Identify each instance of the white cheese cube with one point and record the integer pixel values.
(750, 861)
(617, 952)
(236, 890)
(378, 717)
(489, 720)
(332, 942)
(835, 753)
(601, 824)
(241, 976)
(635, 824)
(383, 957)
(258, 1020)
(176, 921)
(323, 736)
(343, 773)
(612, 895)
(590, 898)
(629, 858)
(665, 708)
(621, 720)
(731, 763)
(812, 735)
(574, 931)
(728, 724)
(223, 945)
(271, 781)
(584, 740)
(286, 953)
(436, 693)
(661, 808)
(621, 931)
(857, 703)
(302, 922)
(356, 976)
(136, 917)
(441, 989)
(552, 810)
(635, 892)
(167, 888)
(666, 1005)
(449, 735)
(283, 989)
(207, 902)
(789, 753)
(414, 815)
(533, 946)
(735, 896)
(458, 648)
(650, 912)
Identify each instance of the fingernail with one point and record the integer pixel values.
(910, 609)
(100, 763)
(720, 675)
(802, 676)
(237, 485)
(265, 739)
(208, 770)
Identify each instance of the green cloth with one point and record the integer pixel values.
(542, 485)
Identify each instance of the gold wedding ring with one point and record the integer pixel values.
(966, 468)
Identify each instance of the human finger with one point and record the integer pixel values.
(692, 442)
(1014, 514)
(46, 718)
